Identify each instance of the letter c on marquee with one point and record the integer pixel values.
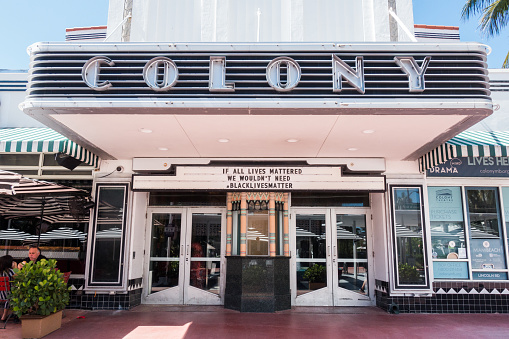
(91, 71)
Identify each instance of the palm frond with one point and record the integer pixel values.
(473, 7)
(495, 17)
(506, 61)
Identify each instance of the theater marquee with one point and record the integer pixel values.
(251, 178)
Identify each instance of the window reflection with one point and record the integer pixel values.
(258, 233)
(109, 230)
(206, 243)
(310, 252)
(164, 251)
(352, 252)
(486, 244)
(409, 236)
(446, 223)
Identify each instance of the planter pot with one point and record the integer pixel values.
(37, 326)
(316, 285)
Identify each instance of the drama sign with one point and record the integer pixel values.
(472, 167)
(283, 73)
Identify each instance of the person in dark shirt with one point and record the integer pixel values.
(34, 255)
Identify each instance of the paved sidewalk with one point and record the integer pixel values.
(305, 322)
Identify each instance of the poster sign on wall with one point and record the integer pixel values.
(445, 204)
(450, 270)
(489, 275)
(472, 167)
(487, 254)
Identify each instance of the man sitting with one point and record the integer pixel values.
(34, 255)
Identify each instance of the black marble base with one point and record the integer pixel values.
(257, 284)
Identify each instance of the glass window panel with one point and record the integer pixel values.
(49, 160)
(165, 237)
(64, 241)
(486, 242)
(205, 243)
(164, 251)
(163, 275)
(19, 159)
(352, 252)
(109, 233)
(205, 275)
(409, 246)
(206, 235)
(505, 195)
(328, 199)
(258, 233)
(187, 199)
(447, 226)
(310, 252)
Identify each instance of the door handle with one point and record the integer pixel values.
(328, 251)
(181, 250)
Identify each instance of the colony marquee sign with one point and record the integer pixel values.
(283, 74)
(258, 75)
(258, 178)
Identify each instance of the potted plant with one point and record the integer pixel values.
(317, 276)
(409, 274)
(38, 296)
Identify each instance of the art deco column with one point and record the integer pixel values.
(272, 224)
(286, 227)
(243, 223)
(229, 223)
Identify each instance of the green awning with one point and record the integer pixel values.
(468, 144)
(22, 140)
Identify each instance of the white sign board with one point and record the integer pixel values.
(249, 178)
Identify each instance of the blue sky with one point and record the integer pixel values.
(448, 13)
(23, 22)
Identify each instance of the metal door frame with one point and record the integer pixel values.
(332, 295)
(184, 294)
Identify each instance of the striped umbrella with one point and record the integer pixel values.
(8, 180)
(65, 219)
(109, 233)
(38, 198)
(63, 233)
(13, 234)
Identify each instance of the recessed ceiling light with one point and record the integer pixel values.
(292, 140)
(145, 130)
(162, 148)
(224, 140)
(368, 131)
(352, 149)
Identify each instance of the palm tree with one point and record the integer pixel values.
(495, 16)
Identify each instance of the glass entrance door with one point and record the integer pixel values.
(330, 260)
(184, 263)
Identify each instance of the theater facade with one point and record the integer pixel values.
(277, 174)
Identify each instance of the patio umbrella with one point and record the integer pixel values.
(8, 180)
(13, 234)
(38, 198)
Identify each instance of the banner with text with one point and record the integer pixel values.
(258, 178)
(472, 167)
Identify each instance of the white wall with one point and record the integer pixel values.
(380, 237)
(10, 114)
(499, 120)
(280, 20)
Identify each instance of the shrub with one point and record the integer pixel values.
(38, 289)
(316, 273)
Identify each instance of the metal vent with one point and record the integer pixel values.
(450, 74)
